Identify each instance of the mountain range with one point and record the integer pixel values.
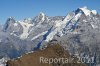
(78, 32)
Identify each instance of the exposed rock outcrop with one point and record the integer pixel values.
(52, 51)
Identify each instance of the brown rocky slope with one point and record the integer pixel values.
(52, 51)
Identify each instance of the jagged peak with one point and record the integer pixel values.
(11, 19)
(86, 11)
(27, 20)
(41, 13)
(42, 16)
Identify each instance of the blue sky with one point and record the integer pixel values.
(21, 9)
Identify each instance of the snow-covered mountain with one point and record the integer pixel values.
(78, 32)
(18, 37)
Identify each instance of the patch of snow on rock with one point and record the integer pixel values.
(26, 27)
(15, 24)
(94, 26)
(39, 35)
(94, 12)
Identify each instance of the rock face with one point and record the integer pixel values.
(80, 28)
(33, 59)
(78, 32)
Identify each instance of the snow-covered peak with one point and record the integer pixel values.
(94, 12)
(28, 20)
(11, 19)
(88, 12)
(9, 22)
(41, 13)
(42, 16)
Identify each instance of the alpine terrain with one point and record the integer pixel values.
(78, 32)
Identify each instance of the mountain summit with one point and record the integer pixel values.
(86, 11)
